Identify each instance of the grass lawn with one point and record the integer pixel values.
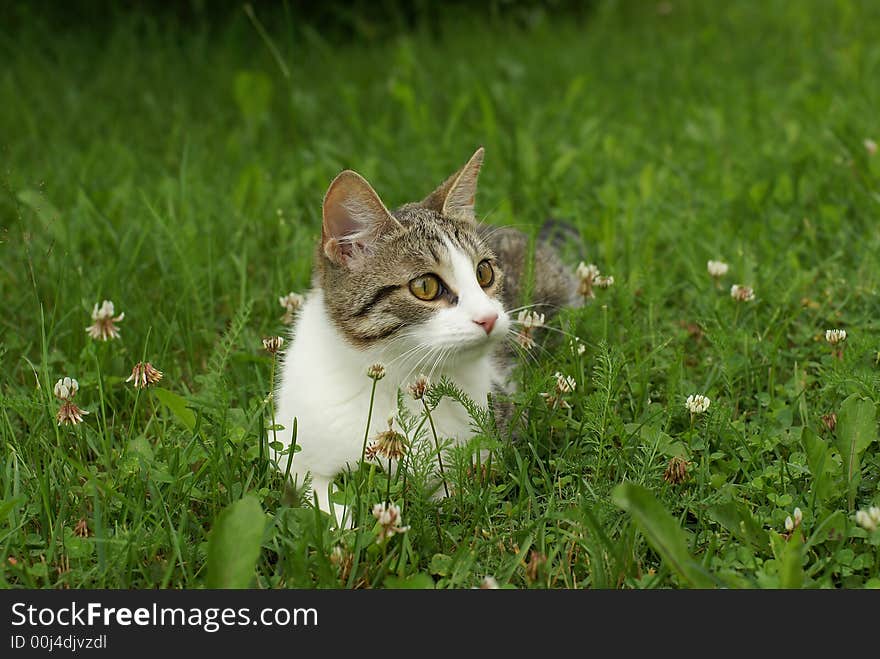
(177, 169)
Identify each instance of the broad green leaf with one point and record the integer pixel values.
(418, 581)
(177, 405)
(856, 429)
(791, 570)
(819, 461)
(7, 505)
(662, 532)
(832, 526)
(441, 565)
(140, 446)
(738, 519)
(234, 544)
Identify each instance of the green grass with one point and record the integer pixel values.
(179, 170)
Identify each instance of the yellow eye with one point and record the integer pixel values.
(485, 274)
(426, 287)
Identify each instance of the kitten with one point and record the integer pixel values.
(422, 289)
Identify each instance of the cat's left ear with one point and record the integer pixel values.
(354, 218)
(455, 196)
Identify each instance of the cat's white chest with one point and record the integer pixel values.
(324, 385)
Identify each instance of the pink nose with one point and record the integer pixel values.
(487, 322)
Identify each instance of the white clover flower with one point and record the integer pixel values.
(388, 444)
(697, 403)
(104, 321)
(66, 388)
(835, 336)
(789, 524)
(419, 387)
(717, 268)
(577, 347)
(565, 384)
(867, 520)
(587, 271)
(388, 516)
(143, 375)
(292, 302)
(798, 516)
(376, 372)
(488, 583)
(587, 274)
(530, 320)
(604, 282)
(870, 146)
(742, 293)
(69, 414)
(273, 344)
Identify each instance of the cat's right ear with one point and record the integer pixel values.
(354, 218)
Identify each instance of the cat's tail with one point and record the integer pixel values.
(560, 234)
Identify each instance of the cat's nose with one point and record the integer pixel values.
(487, 322)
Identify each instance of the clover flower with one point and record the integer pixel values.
(604, 282)
(273, 344)
(676, 470)
(104, 321)
(144, 374)
(868, 519)
(835, 336)
(489, 583)
(587, 274)
(292, 302)
(794, 520)
(376, 372)
(829, 421)
(528, 321)
(69, 413)
(870, 146)
(577, 346)
(565, 384)
(419, 387)
(388, 444)
(697, 403)
(717, 269)
(388, 516)
(65, 388)
(742, 293)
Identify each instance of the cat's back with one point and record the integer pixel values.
(536, 275)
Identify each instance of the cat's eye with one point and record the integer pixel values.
(485, 274)
(426, 287)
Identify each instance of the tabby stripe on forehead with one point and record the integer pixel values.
(378, 296)
(461, 238)
(382, 334)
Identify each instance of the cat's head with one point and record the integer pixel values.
(417, 278)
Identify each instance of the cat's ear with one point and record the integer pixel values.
(455, 196)
(354, 218)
